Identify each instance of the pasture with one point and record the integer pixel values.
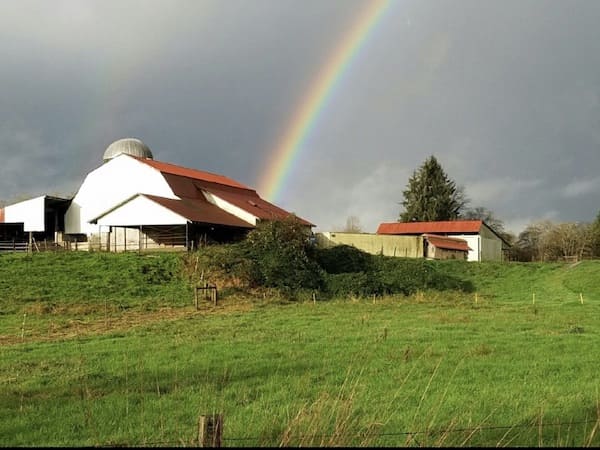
(109, 350)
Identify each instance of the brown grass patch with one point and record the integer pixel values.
(73, 321)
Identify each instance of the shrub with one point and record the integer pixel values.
(356, 283)
(280, 255)
(278, 252)
(407, 276)
(343, 259)
(225, 264)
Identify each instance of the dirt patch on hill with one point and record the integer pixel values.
(42, 324)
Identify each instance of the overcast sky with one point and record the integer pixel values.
(506, 95)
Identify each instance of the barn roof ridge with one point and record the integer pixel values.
(197, 174)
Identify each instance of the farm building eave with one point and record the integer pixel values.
(193, 210)
(447, 243)
(186, 182)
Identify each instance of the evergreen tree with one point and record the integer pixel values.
(431, 195)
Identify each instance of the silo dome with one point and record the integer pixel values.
(129, 146)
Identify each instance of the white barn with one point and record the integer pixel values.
(134, 202)
(42, 217)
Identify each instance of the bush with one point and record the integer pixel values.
(278, 252)
(225, 264)
(343, 259)
(280, 255)
(357, 284)
(407, 276)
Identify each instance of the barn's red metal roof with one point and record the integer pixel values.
(449, 226)
(447, 243)
(200, 211)
(192, 173)
(189, 184)
(252, 203)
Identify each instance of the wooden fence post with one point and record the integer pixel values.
(210, 292)
(210, 430)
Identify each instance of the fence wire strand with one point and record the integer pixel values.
(387, 435)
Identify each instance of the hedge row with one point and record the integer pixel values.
(293, 265)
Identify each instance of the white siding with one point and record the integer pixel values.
(484, 247)
(231, 209)
(473, 241)
(141, 211)
(29, 212)
(110, 184)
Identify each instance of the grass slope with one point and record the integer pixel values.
(432, 369)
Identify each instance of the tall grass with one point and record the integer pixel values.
(431, 369)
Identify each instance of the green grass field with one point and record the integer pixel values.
(109, 350)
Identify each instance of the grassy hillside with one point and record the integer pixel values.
(517, 282)
(76, 277)
(104, 349)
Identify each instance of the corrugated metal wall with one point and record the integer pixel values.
(376, 244)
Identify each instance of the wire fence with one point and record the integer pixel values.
(373, 437)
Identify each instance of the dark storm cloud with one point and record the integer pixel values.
(505, 94)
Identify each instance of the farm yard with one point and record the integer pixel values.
(109, 350)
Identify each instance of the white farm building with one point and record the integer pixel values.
(134, 202)
(482, 242)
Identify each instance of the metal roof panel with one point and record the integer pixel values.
(447, 243)
(449, 226)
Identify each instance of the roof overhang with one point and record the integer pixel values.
(447, 243)
(145, 209)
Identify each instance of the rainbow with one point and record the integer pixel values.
(285, 154)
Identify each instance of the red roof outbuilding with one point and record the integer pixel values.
(441, 227)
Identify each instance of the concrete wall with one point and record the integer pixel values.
(376, 244)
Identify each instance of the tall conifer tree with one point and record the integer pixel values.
(430, 195)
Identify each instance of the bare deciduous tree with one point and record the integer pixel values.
(353, 225)
(569, 240)
(547, 241)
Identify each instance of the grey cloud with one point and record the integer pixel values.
(577, 188)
